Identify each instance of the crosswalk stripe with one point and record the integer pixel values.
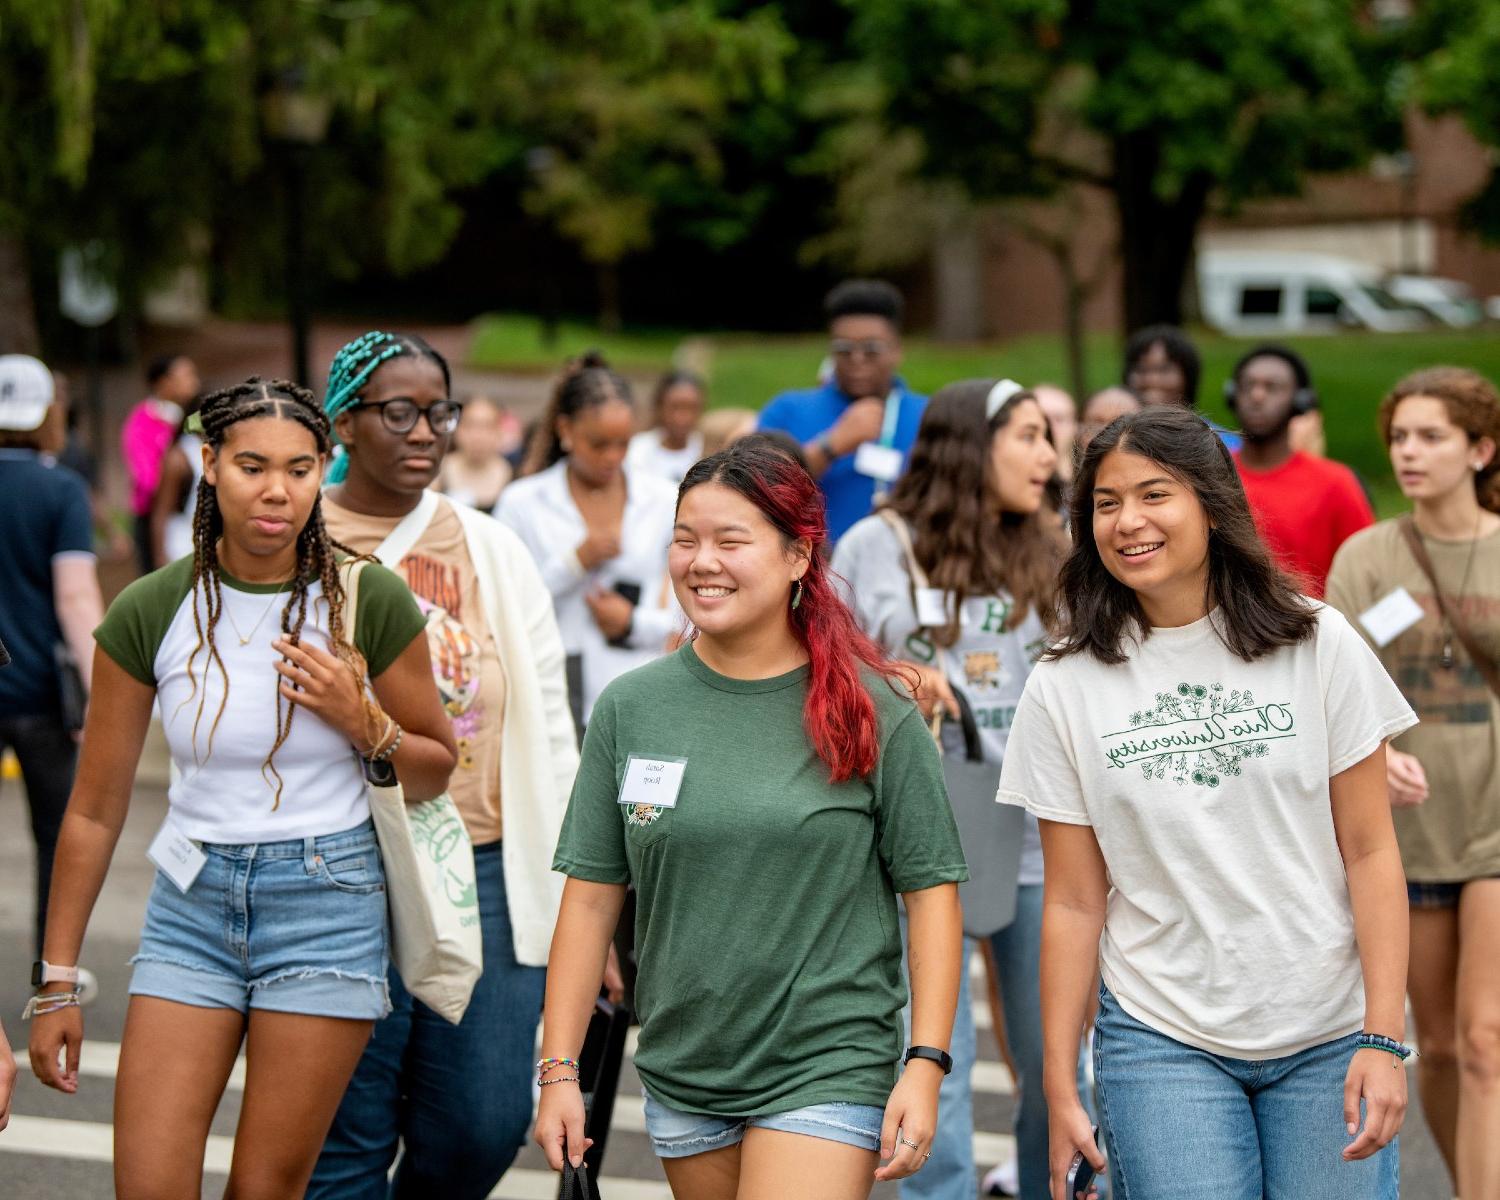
(91, 1141)
(101, 1060)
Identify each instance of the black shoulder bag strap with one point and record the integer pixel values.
(1482, 661)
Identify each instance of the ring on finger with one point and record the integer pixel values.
(905, 1142)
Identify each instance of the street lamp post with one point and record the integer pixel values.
(296, 120)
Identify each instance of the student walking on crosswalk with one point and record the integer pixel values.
(1205, 749)
(267, 922)
(769, 788)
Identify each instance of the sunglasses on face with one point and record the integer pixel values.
(868, 348)
(401, 415)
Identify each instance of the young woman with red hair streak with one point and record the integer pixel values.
(769, 789)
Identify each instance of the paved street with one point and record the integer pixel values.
(59, 1146)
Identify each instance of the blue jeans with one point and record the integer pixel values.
(949, 1173)
(676, 1134)
(458, 1096)
(1184, 1123)
(1018, 957)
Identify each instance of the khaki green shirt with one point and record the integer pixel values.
(766, 925)
(1455, 835)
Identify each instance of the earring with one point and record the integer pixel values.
(797, 594)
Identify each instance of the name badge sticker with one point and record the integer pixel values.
(932, 608)
(882, 463)
(653, 782)
(176, 855)
(1391, 616)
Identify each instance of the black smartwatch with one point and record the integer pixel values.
(931, 1054)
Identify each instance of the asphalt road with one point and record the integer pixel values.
(59, 1146)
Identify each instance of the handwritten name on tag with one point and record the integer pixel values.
(653, 781)
(176, 855)
(1391, 616)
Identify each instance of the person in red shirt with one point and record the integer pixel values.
(1304, 506)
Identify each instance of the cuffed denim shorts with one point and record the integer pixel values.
(681, 1134)
(1434, 895)
(296, 927)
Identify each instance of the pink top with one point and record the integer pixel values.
(145, 439)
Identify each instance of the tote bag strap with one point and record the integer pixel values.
(409, 529)
(1483, 662)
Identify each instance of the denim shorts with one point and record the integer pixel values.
(680, 1134)
(1433, 895)
(295, 927)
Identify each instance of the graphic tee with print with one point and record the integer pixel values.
(766, 926)
(223, 792)
(1205, 779)
(1455, 835)
(989, 662)
(465, 656)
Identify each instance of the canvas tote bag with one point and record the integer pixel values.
(430, 883)
(990, 832)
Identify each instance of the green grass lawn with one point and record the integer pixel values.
(1352, 371)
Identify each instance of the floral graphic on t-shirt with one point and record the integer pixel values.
(1199, 734)
(455, 652)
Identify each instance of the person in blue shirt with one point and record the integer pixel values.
(1163, 367)
(857, 429)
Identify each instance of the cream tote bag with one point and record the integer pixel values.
(429, 881)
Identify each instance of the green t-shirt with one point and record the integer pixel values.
(766, 925)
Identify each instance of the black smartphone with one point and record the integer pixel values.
(632, 592)
(1081, 1174)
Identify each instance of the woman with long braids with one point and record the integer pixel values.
(598, 530)
(457, 1096)
(974, 511)
(267, 922)
(1442, 427)
(769, 789)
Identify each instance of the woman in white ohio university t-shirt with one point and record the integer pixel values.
(1205, 750)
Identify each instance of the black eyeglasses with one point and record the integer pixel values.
(401, 415)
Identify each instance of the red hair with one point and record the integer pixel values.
(839, 713)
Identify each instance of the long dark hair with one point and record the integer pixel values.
(1260, 609)
(586, 382)
(839, 712)
(946, 496)
(317, 552)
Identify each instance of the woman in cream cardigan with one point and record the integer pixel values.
(457, 1096)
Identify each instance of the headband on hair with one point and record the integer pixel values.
(999, 394)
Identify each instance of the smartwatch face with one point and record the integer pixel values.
(36, 974)
(380, 774)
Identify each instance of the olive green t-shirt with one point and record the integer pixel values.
(1454, 835)
(766, 926)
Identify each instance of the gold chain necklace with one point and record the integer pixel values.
(245, 637)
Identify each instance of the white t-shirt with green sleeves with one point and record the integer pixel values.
(1205, 779)
(221, 793)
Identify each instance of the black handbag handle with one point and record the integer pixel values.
(575, 1181)
(973, 746)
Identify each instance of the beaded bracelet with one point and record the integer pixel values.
(44, 1003)
(1378, 1041)
(559, 1079)
(546, 1064)
(388, 751)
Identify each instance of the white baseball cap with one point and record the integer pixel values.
(25, 392)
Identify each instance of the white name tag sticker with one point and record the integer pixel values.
(879, 462)
(932, 608)
(176, 855)
(652, 781)
(1391, 616)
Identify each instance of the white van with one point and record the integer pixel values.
(1257, 294)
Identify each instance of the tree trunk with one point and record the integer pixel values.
(611, 319)
(1156, 233)
(18, 331)
(1073, 298)
(958, 279)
